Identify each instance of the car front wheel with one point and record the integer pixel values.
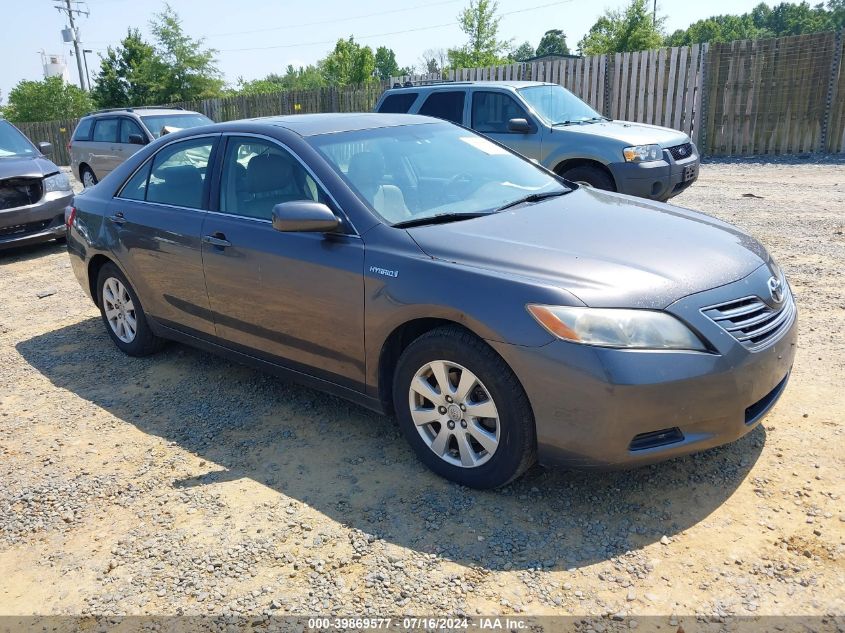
(120, 308)
(463, 410)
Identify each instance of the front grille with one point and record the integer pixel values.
(752, 322)
(20, 230)
(19, 192)
(679, 152)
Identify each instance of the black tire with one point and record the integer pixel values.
(516, 450)
(144, 342)
(85, 169)
(593, 176)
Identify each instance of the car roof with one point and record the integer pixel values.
(332, 122)
(470, 84)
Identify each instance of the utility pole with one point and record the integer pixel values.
(70, 11)
(85, 52)
(654, 14)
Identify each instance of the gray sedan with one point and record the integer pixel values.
(505, 315)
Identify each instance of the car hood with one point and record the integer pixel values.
(630, 133)
(607, 249)
(26, 166)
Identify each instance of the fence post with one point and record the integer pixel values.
(606, 79)
(835, 63)
(701, 116)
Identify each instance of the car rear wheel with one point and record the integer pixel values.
(463, 410)
(88, 177)
(123, 315)
(591, 176)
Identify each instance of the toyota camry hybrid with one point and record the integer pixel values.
(503, 314)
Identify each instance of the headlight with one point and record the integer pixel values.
(612, 327)
(642, 153)
(56, 182)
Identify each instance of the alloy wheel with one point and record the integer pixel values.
(88, 179)
(119, 309)
(454, 414)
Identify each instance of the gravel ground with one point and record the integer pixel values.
(183, 484)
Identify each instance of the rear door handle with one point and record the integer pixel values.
(216, 240)
(118, 218)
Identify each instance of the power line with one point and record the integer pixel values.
(335, 21)
(374, 35)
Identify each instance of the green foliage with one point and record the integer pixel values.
(522, 52)
(385, 61)
(126, 73)
(302, 78)
(348, 63)
(619, 31)
(553, 42)
(783, 19)
(175, 68)
(481, 25)
(183, 69)
(46, 100)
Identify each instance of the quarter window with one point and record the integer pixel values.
(445, 105)
(399, 103)
(105, 131)
(178, 173)
(136, 187)
(83, 130)
(129, 127)
(491, 112)
(258, 175)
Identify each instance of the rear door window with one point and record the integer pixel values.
(179, 173)
(399, 103)
(129, 127)
(105, 131)
(83, 130)
(491, 112)
(445, 105)
(136, 187)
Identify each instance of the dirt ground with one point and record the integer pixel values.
(184, 484)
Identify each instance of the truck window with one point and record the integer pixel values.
(445, 105)
(398, 103)
(491, 112)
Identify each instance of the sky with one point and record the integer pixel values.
(257, 37)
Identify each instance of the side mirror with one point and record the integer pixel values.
(45, 148)
(137, 139)
(519, 125)
(304, 216)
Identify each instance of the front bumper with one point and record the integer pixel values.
(590, 403)
(657, 180)
(35, 223)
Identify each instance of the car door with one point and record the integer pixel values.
(125, 148)
(105, 154)
(156, 221)
(292, 296)
(489, 115)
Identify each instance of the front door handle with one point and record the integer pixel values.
(218, 239)
(118, 218)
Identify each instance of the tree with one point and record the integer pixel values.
(385, 63)
(522, 52)
(183, 70)
(434, 60)
(46, 100)
(348, 63)
(618, 31)
(126, 72)
(553, 42)
(302, 78)
(481, 25)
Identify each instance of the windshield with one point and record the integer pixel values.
(13, 143)
(557, 105)
(155, 123)
(410, 173)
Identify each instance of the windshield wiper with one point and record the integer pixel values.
(440, 218)
(532, 197)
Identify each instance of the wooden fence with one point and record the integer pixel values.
(775, 96)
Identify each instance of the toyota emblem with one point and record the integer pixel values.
(776, 289)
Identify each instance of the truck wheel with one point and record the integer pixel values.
(588, 175)
(463, 410)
